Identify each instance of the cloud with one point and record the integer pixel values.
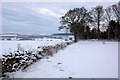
(47, 12)
(41, 17)
(19, 18)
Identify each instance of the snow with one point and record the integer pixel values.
(10, 46)
(85, 59)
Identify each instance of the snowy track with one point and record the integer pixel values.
(84, 59)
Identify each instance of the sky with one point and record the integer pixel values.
(38, 17)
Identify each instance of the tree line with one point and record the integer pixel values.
(97, 23)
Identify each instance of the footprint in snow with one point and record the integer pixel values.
(70, 77)
(48, 61)
(59, 63)
(47, 57)
(58, 67)
(61, 70)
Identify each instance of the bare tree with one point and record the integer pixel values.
(108, 14)
(97, 13)
(108, 17)
(116, 9)
(75, 20)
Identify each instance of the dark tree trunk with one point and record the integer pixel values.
(108, 33)
(75, 37)
(115, 35)
(98, 22)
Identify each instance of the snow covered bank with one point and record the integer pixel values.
(10, 46)
(84, 59)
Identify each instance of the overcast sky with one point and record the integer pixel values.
(38, 17)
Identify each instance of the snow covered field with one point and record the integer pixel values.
(10, 46)
(85, 59)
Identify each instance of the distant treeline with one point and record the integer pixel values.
(97, 23)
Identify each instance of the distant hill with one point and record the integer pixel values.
(62, 34)
(32, 36)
